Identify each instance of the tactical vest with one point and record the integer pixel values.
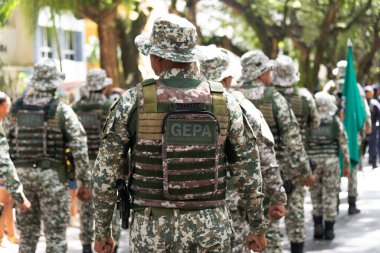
(323, 141)
(92, 117)
(265, 105)
(35, 135)
(300, 108)
(178, 159)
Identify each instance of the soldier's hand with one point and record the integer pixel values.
(346, 172)
(309, 181)
(105, 246)
(256, 243)
(368, 130)
(276, 211)
(25, 206)
(84, 194)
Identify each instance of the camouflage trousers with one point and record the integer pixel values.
(273, 233)
(50, 203)
(324, 191)
(86, 234)
(295, 216)
(208, 230)
(240, 226)
(353, 182)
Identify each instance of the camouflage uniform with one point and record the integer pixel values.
(92, 111)
(323, 146)
(8, 173)
(291, 156)
(212, 69)
(41, 169)
(161, 224)
(339, 72)
(285, 77)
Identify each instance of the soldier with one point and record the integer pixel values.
(177, 126)
(339, 72)
(372, 138)
(92, 112)
(8, 173)
(291, 155)
(285, 78)
(323, 145)
(215, 68)
(41, 128)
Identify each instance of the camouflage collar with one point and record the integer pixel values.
(38, 98)
(252, 84)
(177, 73)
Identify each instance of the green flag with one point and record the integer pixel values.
(354, 112)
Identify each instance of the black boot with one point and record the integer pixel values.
(296, 247)
(87, 248)
(115, 249)
(318, 227)
(329, 230)
(352, 206)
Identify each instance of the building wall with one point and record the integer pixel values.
(16, 41)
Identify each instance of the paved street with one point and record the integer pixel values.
(354, 234)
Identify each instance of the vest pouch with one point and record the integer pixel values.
(59, 168)
(93, 126)
(191, 156)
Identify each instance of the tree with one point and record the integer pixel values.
(127, 30)
(310, 27)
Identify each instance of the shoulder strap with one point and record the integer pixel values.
(218, 99)
(150, 95)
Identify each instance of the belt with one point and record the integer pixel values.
(160, 211)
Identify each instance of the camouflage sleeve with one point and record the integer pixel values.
(107, 165)
(8, 173)
(245, 171)
(271, 173)
(77, 141)
(291, 137)
(272, 182)
(343, 143)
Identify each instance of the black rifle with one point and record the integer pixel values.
(124, 202)
(1, 209)
(313, 165)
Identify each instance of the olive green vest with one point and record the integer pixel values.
(265, 105)
(35, 135)
(178, 160)
(323, 141)
(92, 117)
(300, 108)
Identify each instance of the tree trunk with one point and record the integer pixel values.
(108, 44)
(129, 52)
(305, 77)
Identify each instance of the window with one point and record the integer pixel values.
(68, 45)
(46, 42)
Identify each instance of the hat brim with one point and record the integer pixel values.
(48, 85)
(145, 46)
(256, 74)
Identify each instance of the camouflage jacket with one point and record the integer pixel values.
(8, 173)
(272, 182)
(73, 131)
(245, 171)
(311, 121)
(295, 163)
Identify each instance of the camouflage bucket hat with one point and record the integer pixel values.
(326, 103)
(213, 65)
(254, 64)
(284, 73)
(173, 38)
(340, 69)
(46, 76)
(97, 79)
